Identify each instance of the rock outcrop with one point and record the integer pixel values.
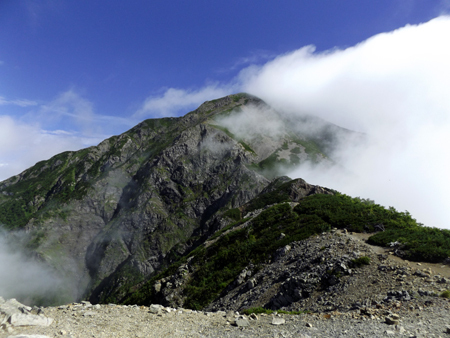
(13, 314)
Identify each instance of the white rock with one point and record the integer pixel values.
(278, 321)
(21, 319)
(242, 321)
(155, 308)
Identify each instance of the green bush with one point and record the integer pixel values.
(358, 262)
(234, 214)
(445, 294)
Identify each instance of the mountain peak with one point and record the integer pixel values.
(129, 206)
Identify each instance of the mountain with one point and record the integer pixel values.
(125, 208)
(176, 209)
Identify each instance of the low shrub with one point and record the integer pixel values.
(363, 260)
(445, 294)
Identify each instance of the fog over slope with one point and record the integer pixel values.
(27, 278)
(394, 88)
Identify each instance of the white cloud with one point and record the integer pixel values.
(73, 107)
(68, 122)
(176, 100)
(29, 279)
(394, 87)
(20, 103)
(24, 144)
(70, 111)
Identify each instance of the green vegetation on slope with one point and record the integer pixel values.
(274, 165)
(69, 175)
(277, 192)
(219, 265)
(53, 177)
(418, 243)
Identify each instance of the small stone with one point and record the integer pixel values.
(253, 316)
(230, 316)
(389, 333)
(278, 321)
(155, 308)
(391, 321)
(20, 319)
(395, 316)
(400, 329)
(309, 325)
(7, 328)
(242, 321)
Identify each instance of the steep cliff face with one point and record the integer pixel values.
(112, 215)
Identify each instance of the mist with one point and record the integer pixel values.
(28, 279)
(393, 88)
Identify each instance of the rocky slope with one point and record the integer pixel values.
(400, 304)
(110, 216)
(294, 264)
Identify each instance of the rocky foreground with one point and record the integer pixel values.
(417, 318)
(388, 297)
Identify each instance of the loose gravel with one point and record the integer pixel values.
(427, 317)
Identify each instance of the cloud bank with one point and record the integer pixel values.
(29, 280)
(395, 88)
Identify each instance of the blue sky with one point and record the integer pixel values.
(75, 72)
(115, 54)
